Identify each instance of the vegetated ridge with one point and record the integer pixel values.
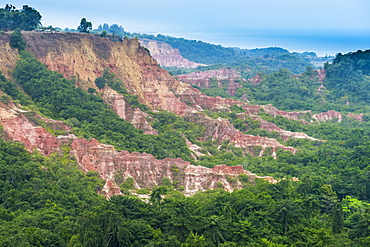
(330, 158)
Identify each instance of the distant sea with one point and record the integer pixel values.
(322, 42)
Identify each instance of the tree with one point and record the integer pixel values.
(26, 18)
(85, 26)
(16, 40)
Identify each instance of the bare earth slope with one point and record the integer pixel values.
(84, 57)
(167, 56)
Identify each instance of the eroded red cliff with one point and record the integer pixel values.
(223, 77)
(85, 57)
(167, 56)
(133, 115)
(145, 169)
(148, 172)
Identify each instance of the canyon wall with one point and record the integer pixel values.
(167, 56)
(85, 56)
(224, 78)
(145, 169)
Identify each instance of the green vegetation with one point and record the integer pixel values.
(26, 18)
(248, 62)
(16, 40)
(112, 29)
(58, 98)
(85, 26)
(48, 201)
(110, 79)
(348, 77)
(303, 92)
(42, 197)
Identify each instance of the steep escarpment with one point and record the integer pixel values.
(85, 57)
(167, 56)
(148, 172)
(131, 114)
(221, 77)
(145, 170)
(221, 130)
(8, 55)
(18, 127)
(335, 116)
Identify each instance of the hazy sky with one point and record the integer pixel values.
(323, 26)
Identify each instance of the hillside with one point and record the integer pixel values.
(266, 60)
(166, 56)
(83, 116)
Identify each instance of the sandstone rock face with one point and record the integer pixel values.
(283, 133)
(329, 115)
(18, 128)
(8, 55)
(85, 56)
(321, 73)
(335, 116)
(131, 114)
(357, 117)
(224, 77)
(256, 79)
(221, 130)
(148, 172)
(167, 56)
(145, 169)
(269, 109)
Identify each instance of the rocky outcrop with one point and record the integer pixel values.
(145, 169)
(8, 55)
(221, 130)
(282, 133)
(148, 172)
(131, 114)
(224, 77)
(196, 78)
(334, 116)
(256, 79)
(17, 127)
(167, 56)
(357, 117)
(321, 73)
(295, 115)
(329, 115)
(85, 56)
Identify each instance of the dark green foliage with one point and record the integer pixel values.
(16, 40)
(58, 98)
(113, 29)
(47, 201)
(266, 59)
(111, 80)
(26, 18)
(41, 198)
(348, 76)
(12, 90)
(85, 26)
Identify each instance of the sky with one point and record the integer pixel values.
(321, 26)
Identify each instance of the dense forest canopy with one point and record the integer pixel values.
(26, 18)
(49, 201)
(346, 87)
(348, 77)
(264, 59)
